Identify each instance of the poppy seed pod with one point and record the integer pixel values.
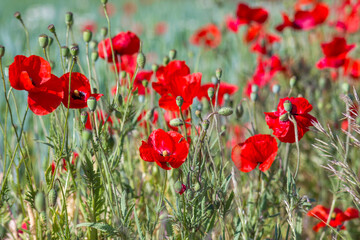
(284, 117)
(68, 18)
(166, 60)
(17, 15)
(218, 73)
(94, 56)
(198, 113)
(40, 203)
(2, 51)
(176, 122)
(141, 59)
(211, 92)
(292, 81)
(52, 197)
(206, 124)
(51, 28)
(84, 117)
(155, 67)
(172, 54)
(276, 89)
(91, 103)
(43, 40)
(93, 44)
(86, 135)
(179, 101)
(104, 31)
(225, 111)
(87, 35)
(65, 52)
(287, 106)
(74, 50)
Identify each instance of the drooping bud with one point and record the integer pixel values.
(94, 56)
(43, 40)
(292, 81)
(119, 100)
(69, 18)
(155, 67)
(284, 117)
(40, 203)
(51, 28)
(91, 103)
(87, 35)
(93, 44)
(86, 135)
(52, 197)
(104, 31)
(17, 15)
(211, 92)
(2, 51)
(287, 106)
(276, 89)
(166, 60)
(65, 52)
(218, 73)
(74, 50)
(84, 117)
(206, 124)
(225, 111)
(172, 54)
(239, 111)
(141, 59)
(179, 101)
(176, 122)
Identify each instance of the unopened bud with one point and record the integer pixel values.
(65, 52)
(119, 100)
(211, 92)
(2, 51)
(218, 73)
(276, 89)
(87, 35)
(225, 111)
(84, 117)
(176, 122)
(52, 197)
(91, 103)
(68, 18)
(284, 117)
(93, 44)
(155, 67)
(178, 186)
(118, 114)
(94, 56)
(145, 83)
(40, 203)
(179, 101)
(51, 40)
(141, 59)
(43, 40)
(123, 74)
(104, 31)
(51, 28)
(292, 81)
(206, 124)
(17, 15)
(74, 50)
(104, 1)
(172, 54)
(166, 60)
(287, 106)
(254, 96)
(239, 111)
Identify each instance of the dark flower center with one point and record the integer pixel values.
(165, 153)
(76, 94)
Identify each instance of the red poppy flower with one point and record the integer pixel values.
(224, 88)
(124, 43)
(282, 127)
(338, 217)
(33, 74)
(348, 17)
(248, 15)
(352, 68)
(207, 36)
(187, 87)
(89, 25)
(232, 23)
(174, 68)
(258, 149)
(264, 42)
(305, 20)
(335, 53)
(80, 90)
(165, 148)
(101, 116)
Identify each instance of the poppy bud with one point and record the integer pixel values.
(40, 203)
(254, 96)
(74, 50)
(172, 54)
(198, 113)
(123, 74)
(239, 111)
(179, 187)
(218, 73)
(86, 135)
(51, 40)
(91, 103)
(225, 111)
(104, 1)
(17, 15)
(179, 101)
(52, 197)
(284, 117)
(43, 40)
(166, 60)
(93, 44)
(214, 80)
(226, 97)
(118, 114)
(287, 106)
(206, 124)
(84, 117)
(292, 81)
(51, 28)
(276, 89)
(2, 51)
(254, 88)
(104, 31)
(176, 122)
(119, 100)
(145, 83)
(155, 67)
(345, 87)
(87, 35)
(43, 217)
(65, 52)
(211, 92)
(68, 18)
(94, 56)
(141, 59)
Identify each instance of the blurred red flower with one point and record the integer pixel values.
(335, 53)
(33, 74)
(224, 88)
(101, 117)
(80, 90)
(338, 217)
(174, 68)
(207, 36)
(89, 25)
(305, 20)
(352, 68)
(165, 148)
(347, 17)
(259, 149)
(129, 8)
(248, 15)
(160, 28)
(232, 23)
(280, 123)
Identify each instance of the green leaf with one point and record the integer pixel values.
(141, 235)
